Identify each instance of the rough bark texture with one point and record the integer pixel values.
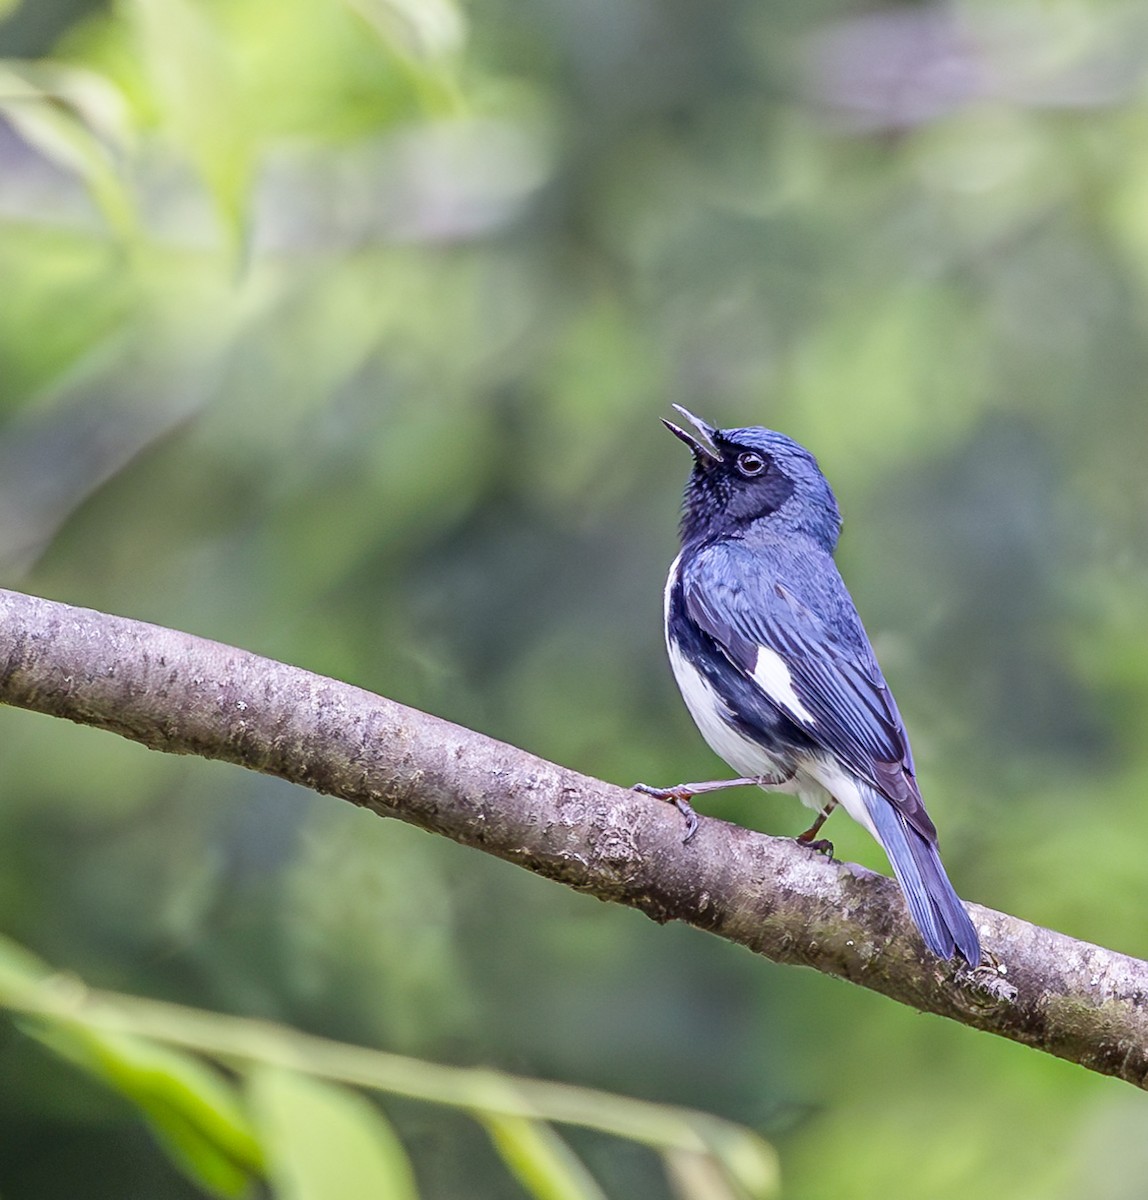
(184, 695)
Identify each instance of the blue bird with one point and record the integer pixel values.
(776, 669)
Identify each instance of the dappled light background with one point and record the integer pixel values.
(341, 331)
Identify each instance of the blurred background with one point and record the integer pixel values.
(340, 331)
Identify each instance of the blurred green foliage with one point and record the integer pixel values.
(282, 1113)
(340, 331)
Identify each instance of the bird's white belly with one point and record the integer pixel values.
(746, 757)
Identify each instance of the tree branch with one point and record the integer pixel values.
(184, 695)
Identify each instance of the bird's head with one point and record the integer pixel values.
(745, 476)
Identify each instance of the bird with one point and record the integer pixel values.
(775, 667)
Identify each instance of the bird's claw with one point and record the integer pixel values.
(679, 797)
(820, 846)
(686, 809)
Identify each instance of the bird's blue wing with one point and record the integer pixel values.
(816, 668)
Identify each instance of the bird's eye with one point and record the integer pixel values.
(750, 463)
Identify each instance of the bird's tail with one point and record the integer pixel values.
(933, 904)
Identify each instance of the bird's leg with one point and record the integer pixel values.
(821, 845)
(680, 795)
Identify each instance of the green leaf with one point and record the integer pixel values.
(748, 1160)
(543, 1163)
(426, 37)
(197, 87)
(427, 30)
(192, 1109)
(20, 970)
(301, 1120)
(77, 120)
(696, 1176)
(324, 1142)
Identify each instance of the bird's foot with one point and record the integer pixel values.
(817, 845)
(679, 797)
(809, 837)
(681, 794)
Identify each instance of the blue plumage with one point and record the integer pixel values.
(775, 666)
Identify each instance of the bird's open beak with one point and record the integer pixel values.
(701, 450)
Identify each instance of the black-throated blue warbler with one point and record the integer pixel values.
(776, 669)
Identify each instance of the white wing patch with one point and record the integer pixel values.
(772, 675)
